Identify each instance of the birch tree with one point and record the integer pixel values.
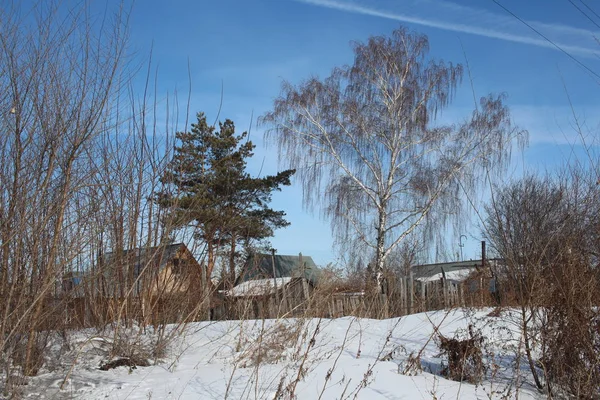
(370, 151)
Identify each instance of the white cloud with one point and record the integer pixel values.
(457, 18)
(546, 124)
(557, 124)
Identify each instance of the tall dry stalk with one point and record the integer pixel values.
(57, 78)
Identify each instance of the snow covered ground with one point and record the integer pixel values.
(343, 358)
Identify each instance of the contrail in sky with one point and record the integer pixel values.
(456, 18)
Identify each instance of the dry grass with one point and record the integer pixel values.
(464, 357)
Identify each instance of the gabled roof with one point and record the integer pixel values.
(260, 266)
(258, 287)
(141, 256)
(155, 258)
(456, 270)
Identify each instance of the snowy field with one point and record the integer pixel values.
(345, 358)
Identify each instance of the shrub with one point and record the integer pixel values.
(465, 361)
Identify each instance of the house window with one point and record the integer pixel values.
(67, 284)
(177, 267)
(70, 281)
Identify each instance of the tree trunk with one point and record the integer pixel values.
(527, 343)
(210, 263)
(380, 259)
(232, 263)
(380, 248)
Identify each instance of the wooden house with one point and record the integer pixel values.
(263, 266)
(456, 283)
(153, 271)
(272, 285)
(154, 284)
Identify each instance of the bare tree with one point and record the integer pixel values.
(80, 156)
(370, 151)
(545, 230)
(523, 224)
(57, 78)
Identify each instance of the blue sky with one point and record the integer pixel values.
(249, 47)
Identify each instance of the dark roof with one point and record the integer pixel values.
(427, 270)
(141, 256)
(260, 266)
(154, 257)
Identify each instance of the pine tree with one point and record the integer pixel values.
(206, 187)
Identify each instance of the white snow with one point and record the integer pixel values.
(343, 358)
(258, 287)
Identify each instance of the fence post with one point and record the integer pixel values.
(400, 286)
(423, 289)
(444, 288)
(411, 293)
(444, 297)
(481, 290)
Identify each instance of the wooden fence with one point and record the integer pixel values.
(409, 296)
(292, 299)
(405, 296)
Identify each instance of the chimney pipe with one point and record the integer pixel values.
(483, 253)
